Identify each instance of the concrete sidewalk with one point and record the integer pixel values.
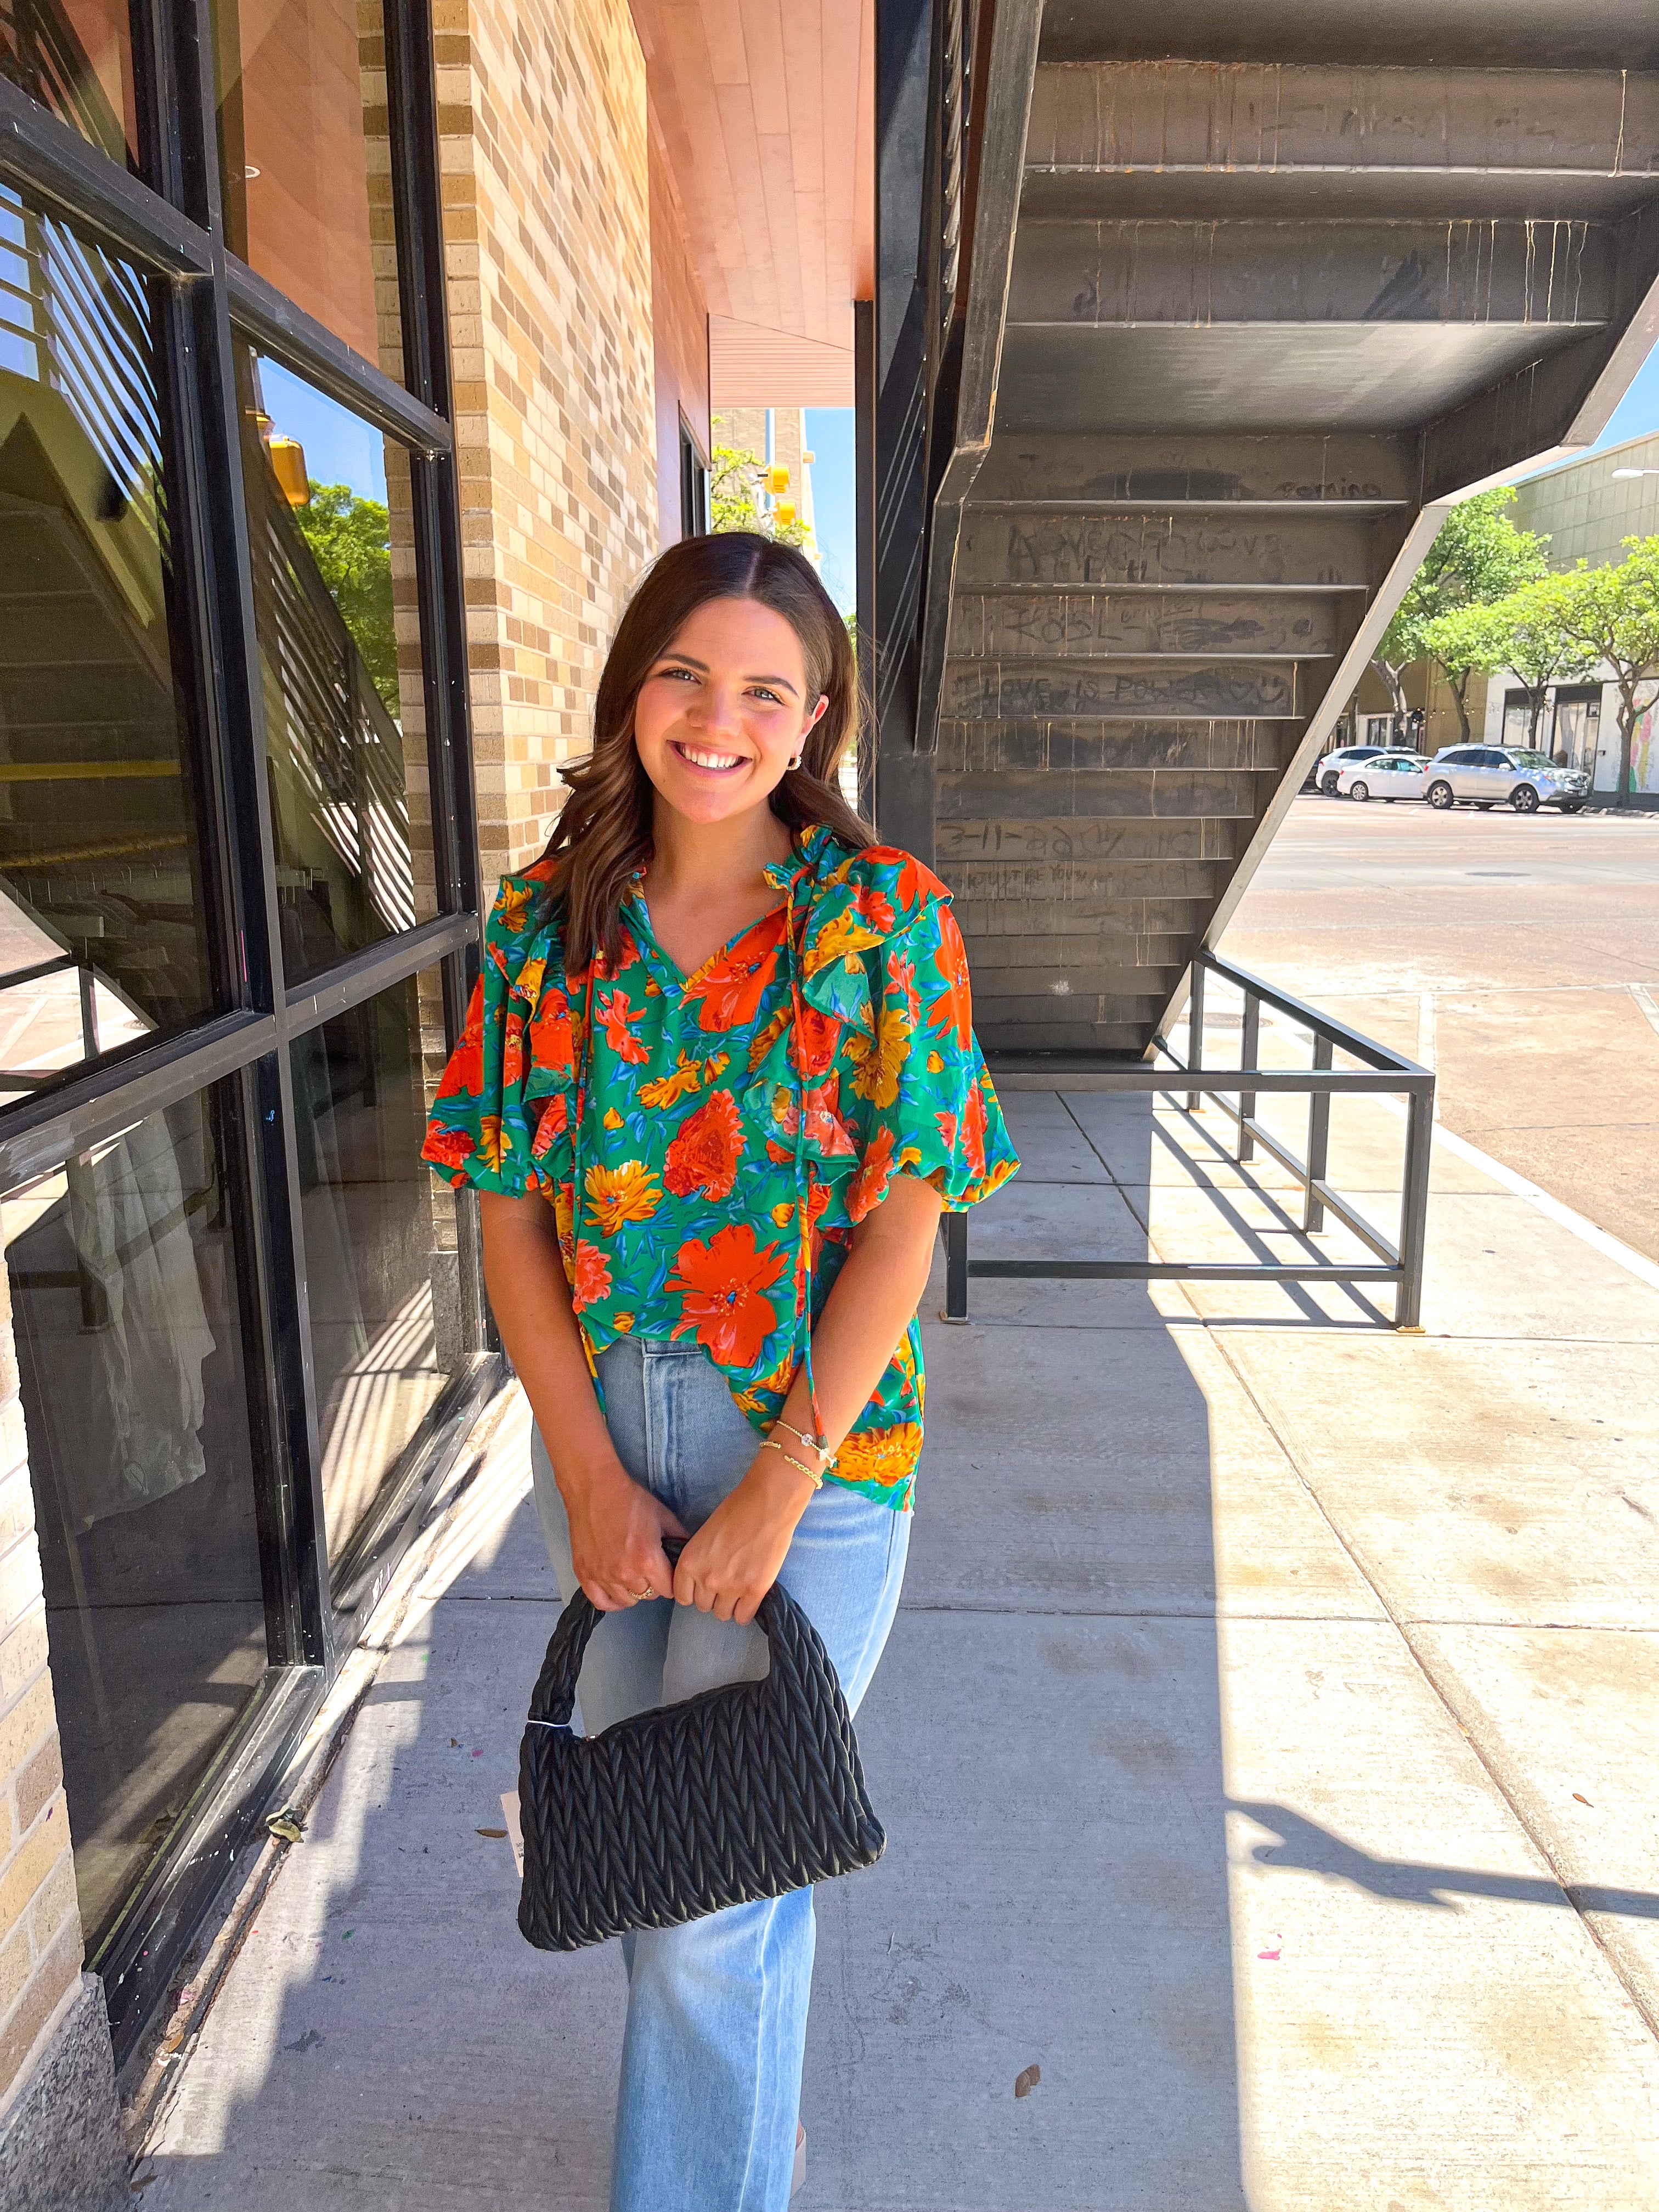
(1266, 1745)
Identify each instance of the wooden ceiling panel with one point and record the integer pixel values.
(763, 106)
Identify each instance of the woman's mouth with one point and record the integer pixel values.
(706, 757)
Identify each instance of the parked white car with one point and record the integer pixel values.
(1504, 775)
(1330, 765)
(1389, 777)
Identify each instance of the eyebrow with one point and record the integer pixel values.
(690, 660)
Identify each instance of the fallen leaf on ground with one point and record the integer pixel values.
(1582, 1800)
(1025, 2082)
(288, 1825)
(496, 1833)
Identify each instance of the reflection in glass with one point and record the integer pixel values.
(302, 122)
(381, 1271)
(102, 912)
(322, 488)
(124, 1270)
(74, 57)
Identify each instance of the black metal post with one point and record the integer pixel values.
(1319, 1139)
(1195, 1030)
(1414, 1209)
(955, 1226)
(1250, 1052)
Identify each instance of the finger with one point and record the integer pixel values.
(744, 1613)
(672, 1525)
(702, 1597)
(684, 1585)
(724, 1605)
(597, 1594)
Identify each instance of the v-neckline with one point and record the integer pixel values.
(683, 981)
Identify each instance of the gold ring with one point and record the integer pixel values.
(646, 1592)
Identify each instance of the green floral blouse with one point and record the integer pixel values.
(727, 1130)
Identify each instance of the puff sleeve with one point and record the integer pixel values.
(502, 1117)
(932, 1110)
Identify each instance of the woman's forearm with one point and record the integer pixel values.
(870, 1306)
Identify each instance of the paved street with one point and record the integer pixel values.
(1518, 957)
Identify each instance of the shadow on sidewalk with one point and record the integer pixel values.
(1043, 1742)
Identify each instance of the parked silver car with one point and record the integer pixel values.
(1504, 775)
(1390, 776)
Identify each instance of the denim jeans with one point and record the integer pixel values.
(711, 2067)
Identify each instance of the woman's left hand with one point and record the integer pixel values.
(733, 1559)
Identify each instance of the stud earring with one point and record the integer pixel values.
(796, 761)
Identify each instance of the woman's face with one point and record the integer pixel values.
(724, 710)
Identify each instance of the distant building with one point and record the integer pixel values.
(1586, 508)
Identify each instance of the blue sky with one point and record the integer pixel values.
(1636, 415)
(339, 449)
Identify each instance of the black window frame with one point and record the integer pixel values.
(169, 221)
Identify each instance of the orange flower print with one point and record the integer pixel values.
(618, 1195)
(592, 1278)
(840, 938)
(614, 1013)
(513, 908)
(706, 1149)
(973, 1133)
(628, 953)
(870, 1183)
(551, 1044)
(876, 907)
(947, 1130)
(556, 1119)
(902, 977)
(719, 1285)
(812, 1048)
(765, 1039)
(732, 985)
(952, 1012)
(669, 1090)
(913, 882)
(513, 1050)
(447, 1148)
(491, 1143)
(878, 1061)
(824, 1127)
(886, 1456)
(464, 1077)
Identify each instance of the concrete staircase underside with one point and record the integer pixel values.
(1279, 290)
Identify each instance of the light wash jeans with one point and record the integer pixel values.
(711, 2067)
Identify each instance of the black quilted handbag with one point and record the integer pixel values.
(745, 1791)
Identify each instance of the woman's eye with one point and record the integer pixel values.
(679, 672)
(771, 698)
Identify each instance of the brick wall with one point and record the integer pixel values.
(542, 116)
(39, 1925)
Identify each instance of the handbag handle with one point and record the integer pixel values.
(553, 1698)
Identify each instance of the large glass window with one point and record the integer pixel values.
(387, 1332)
(74, 57)
(303, 155)
(124, 1269)
(343, 709)
(103, 916)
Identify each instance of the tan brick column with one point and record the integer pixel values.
(542, 117)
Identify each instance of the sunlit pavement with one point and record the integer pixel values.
(1518, 956)
(1264, 1744)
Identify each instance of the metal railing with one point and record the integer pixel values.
(1238, 1090)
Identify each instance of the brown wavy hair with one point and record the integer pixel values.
(604, 834)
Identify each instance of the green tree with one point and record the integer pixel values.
(1542, 649)
(734, 498)
(1613, 612)
(351, 541)
(1465, 639)
(1479, 556)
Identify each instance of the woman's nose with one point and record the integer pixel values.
(718, 707)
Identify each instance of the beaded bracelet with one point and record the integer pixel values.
(819, 1444)
(771, 1444)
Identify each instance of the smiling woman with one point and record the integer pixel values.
(718, 1081)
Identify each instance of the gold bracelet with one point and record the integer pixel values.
(771, 1444)
(819, 1444)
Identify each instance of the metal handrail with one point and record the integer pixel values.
(1384, 1073)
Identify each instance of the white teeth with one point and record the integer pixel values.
(710, 760)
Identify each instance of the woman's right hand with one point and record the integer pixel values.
(617, 1529)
